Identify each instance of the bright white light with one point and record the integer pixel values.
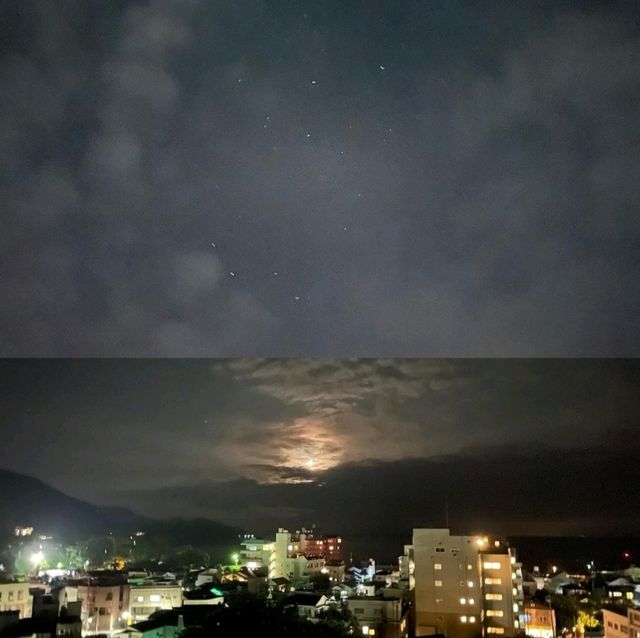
(36, 558)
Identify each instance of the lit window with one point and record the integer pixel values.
(493, 596)
(463, 619)
(493, 581)
(463, 601)
(471, 601)
(437, 583)
(496, 613)
(515, 607)
(490, 565)
(472, 618)
(629, 595)
(495, 630)
(469, 566)
(154, 598)
(470, 583)
(439, 601)
(437, 566)
(515, 591)
(140, 599)
(365, 630)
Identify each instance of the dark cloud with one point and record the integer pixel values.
(531, 490)
(526, 444)
(416, 178)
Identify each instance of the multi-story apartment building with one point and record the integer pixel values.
(105, 604)
(289, 559)
(256, 553)
(465, 586)
(328, 546)
(406, 568)
(15, 596)
(619, 626)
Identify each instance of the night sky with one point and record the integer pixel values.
(359, 446)
(334, 178)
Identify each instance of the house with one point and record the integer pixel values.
(15, 596)
(308, 604)
(146, 598)
(382, 617)
(45, 627)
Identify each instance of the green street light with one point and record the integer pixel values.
(235, 558)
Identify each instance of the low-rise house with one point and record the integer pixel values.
(168, 623)
(44, 627)
(380, 616)
(15, 596)
(144, 599)
(308, 604)
(538, 621)
(335, 570)
(204, 596)
(623, 589)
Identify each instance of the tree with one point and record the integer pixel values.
(247, 615)
(566, 610)
(320, 582)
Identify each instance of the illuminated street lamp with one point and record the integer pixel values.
(37, 558)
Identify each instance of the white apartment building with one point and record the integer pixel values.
(15, 597)
(256, 553)
(289, 560)
(465, 586)
(147, 598)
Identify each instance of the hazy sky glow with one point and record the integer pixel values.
(293, 177)
(254, 442)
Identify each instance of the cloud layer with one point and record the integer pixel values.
(287, 422)
(242, 179)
